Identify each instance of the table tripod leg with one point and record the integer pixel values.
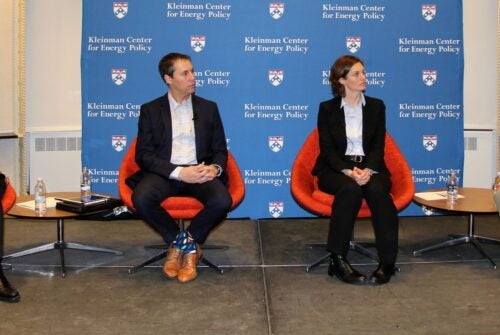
(79, 246)
(487, 239)
(45, 247)
(61, 245)
(449, 243)
(475, 243)
(456, 236)
(63, 264)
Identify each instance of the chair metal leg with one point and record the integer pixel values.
(165, 247)
(205, 247)
(207, 262)
(147, 262)
(316, 245)
(163, 254)
(318, 262)
(157, 246)
(360, 248)
(353, 245)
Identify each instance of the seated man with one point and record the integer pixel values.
(181, 151)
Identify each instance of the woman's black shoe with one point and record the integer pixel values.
(7, 292)
(340, 268)
(382, 274)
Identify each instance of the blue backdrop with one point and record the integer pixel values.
(267, 64)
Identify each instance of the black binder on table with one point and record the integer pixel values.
(96, 203)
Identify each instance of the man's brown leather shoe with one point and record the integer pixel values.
(173, 262)
(188, 269)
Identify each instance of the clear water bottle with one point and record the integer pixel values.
(40, 196)
(85, 185)
(452, 186)
(496, 183)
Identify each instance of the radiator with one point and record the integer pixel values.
(479, 158)
(56, 157)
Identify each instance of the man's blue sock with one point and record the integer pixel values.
(179, 240)
(189, 245)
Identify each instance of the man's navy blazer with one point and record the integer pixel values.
(154, 139)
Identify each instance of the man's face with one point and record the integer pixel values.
(182, 83)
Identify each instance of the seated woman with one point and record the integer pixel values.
(351, 166)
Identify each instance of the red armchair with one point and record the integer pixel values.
(180, 208)
(304, 186)
(9, 198)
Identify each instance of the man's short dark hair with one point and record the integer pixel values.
(166, 65)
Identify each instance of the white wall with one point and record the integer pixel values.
(7, 71)
(9, 147)
(480, 69)
(53, 39)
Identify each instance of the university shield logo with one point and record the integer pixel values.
(276, 10)
(120, 9)
(429, 77)
(119, 142)
(118, 76)
(429, 142)
(198, 43)
(427, 210)
(276, 77)
(353, 44)
(276, 208)
(276, 143)
(428, 12)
